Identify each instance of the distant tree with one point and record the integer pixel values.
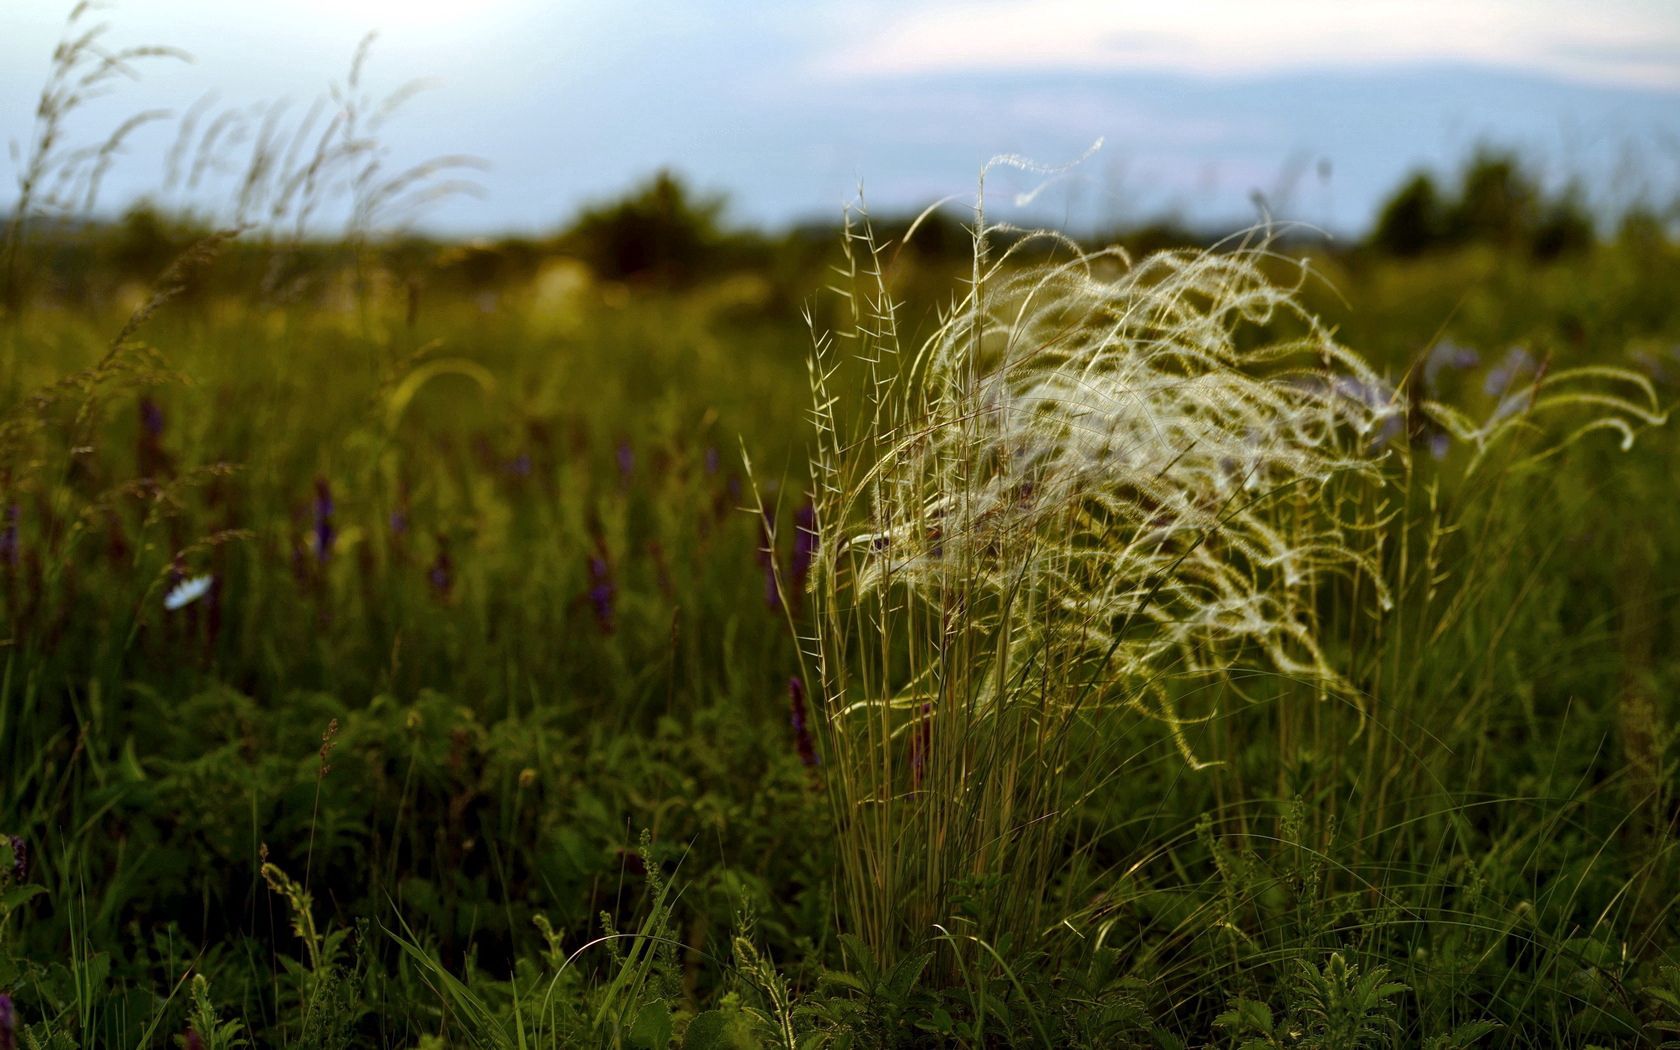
(1642, 228)
(1498, 202)
(1412, 222)
(660, 232)
(1565, 227)
(941, 235)
(146, 240)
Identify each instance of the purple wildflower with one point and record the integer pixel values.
(1373, 394)
(9, 537)
(8, 1023)
(1512, 404)
(116, 544)
(151, 418)
(626, 460)
(1516, 366)
(713, 460)
(602, 592)
(1663, 366)
(1383, 401)
(193, 1040)
(20, 858)
(804, 548)
(324, 531)
(402, 512)
(150, 457)
(442, 574)
(801, 728)
(520, 465)
(1444, 355)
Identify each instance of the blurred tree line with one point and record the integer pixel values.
(663, 234)
(1497, 202)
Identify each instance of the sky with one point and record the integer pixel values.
(1203, 107)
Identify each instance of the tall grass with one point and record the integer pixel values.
(58, 175)
(1080, 497)
(1107, 489)
(1170, 676)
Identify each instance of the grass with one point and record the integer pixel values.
(1067, 504)
(542, 627)
(1187, 650)
(1092, 495)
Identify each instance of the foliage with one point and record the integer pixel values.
(1497, 202)
(660, 231)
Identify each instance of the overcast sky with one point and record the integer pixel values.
(789, 107)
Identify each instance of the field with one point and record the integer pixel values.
(422, 644)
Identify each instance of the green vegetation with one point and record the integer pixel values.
(1497, 203)
(1193, 650)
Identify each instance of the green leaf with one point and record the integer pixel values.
(18, 895)
(129, 763)
(1463, 1037)
(840, 979)
(904, 975)
(1246, 1016)
(720, 1030)
(652, 1028)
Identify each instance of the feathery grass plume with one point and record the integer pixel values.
(294, 169)
(54, 175)
(768, 563)
(1093, 489)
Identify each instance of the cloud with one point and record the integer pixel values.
(1618, 42)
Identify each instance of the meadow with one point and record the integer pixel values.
(667, 636)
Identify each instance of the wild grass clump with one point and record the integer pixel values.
(1092, 490)
(1100, 487)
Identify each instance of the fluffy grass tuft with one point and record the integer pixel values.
(1100, 487)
